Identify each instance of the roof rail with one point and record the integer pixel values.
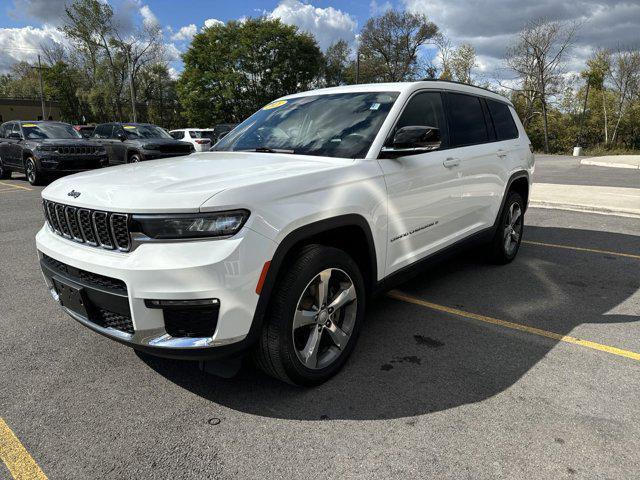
(456, 83)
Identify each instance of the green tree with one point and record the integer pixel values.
(337, 64)
(390, 43)
(232, 70)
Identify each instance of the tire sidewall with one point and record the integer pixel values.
(134, 156)
(511, 199)
(329, 258)
(36, 174)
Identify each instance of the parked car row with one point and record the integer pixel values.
(44, 150)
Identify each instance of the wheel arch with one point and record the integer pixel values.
(350, 232)
(518, 182)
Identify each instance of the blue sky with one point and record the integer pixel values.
(488, 25)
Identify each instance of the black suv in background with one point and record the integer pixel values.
(134, 142)
(44, 150)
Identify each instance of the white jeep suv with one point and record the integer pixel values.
(272, 243)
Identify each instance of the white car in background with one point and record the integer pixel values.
(200, 138)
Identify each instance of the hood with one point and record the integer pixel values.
(179, 184)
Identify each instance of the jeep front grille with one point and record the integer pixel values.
(92, 227)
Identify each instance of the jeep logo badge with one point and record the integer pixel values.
(73, 194)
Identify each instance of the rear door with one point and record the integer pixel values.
(102, 135)
(118, 146)
(423, 190)
(481, 174)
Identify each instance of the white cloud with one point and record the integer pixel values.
(211, 22)
(149, 19)
(378, 8)
(171, 52)
(327, 25)
(605, 23)
(24, 44)
(173, 73)
(185, 33)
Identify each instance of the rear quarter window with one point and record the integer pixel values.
(503, 122)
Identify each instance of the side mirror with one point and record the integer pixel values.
(412, 140)
(15, 136)
(223, 134)
(121, 136)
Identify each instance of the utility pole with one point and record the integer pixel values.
(41, 88)
(133, 97)
(358, 65)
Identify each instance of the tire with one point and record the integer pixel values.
(506, 242)
(33, 173)
(288, 340)
(5, 173)
(135, 158)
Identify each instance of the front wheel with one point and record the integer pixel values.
(508, 236)
(314, 317)
(135, 158)
(34, 176)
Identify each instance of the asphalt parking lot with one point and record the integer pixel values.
(530, 370)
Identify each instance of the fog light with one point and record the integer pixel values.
(202, 302)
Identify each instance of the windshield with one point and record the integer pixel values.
(42, 131)
(145, 131)
(338, 125)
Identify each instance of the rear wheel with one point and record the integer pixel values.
(506, 242)
(314, 317)
(5, 173)
(33, 173)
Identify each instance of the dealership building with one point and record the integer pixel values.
(28, 109)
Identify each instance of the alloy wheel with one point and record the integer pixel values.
(324, 319)
(513, 228)
(31, 171)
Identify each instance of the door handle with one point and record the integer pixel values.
(451, 162)
(502, 153)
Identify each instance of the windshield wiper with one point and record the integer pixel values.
(268, 150)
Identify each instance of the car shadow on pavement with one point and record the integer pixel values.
(411, 360)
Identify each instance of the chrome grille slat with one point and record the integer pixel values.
(84, 218)
(91, 227)
(101, 226)
(72, 220)
(62, 220)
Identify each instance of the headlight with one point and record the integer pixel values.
(46, 148)
(199, 225)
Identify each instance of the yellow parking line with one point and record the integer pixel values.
(9, 190)
(515, 326)
(20, 464)
(581, 249)
(15, 186)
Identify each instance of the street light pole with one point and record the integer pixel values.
(41, 88)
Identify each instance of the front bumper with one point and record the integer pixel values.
(155, 154)
(71, 164)
(226, 270)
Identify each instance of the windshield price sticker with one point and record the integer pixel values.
(29, 125)
(374, 106)
(274, 105)
(130, 127)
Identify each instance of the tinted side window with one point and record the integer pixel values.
(425, 109)
(466, 118)
(177, 135)
(103, 131)
(506, 128)
(4, 132)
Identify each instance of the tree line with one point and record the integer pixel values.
(231, 70)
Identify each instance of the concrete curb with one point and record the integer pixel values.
(621, 201)
(584, 209)
(609, 164)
